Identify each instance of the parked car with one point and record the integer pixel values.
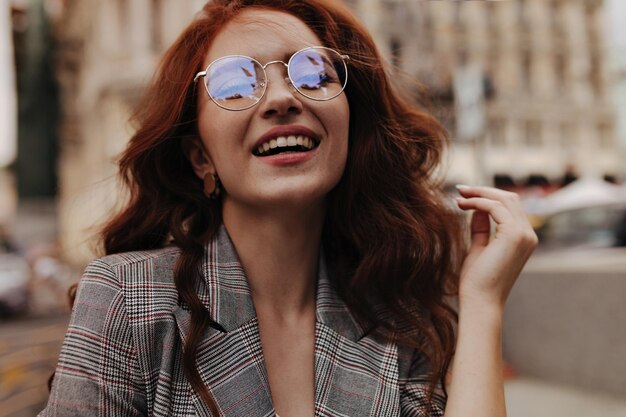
(14, 284)
(589, 239)
(595, 226)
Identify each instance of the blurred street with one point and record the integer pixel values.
(29, 348)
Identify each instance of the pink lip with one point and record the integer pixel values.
(285, 159)
(289, 130)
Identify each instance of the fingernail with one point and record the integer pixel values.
(462, 187)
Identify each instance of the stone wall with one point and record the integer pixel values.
(569, 326)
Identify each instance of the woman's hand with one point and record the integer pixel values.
(487, 276)
(492, 265)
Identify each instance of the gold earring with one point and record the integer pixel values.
(211, 185)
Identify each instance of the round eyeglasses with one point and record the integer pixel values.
(238, 82)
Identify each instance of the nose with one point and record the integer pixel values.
(280, 96)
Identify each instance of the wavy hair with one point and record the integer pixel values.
(392, 243)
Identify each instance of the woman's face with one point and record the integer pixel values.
(231, 138)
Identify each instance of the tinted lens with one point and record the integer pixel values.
(318, 73)
(235, 82)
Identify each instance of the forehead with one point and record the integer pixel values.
(262, 34)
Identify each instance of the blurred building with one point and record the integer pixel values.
(107, 53)
(542, 64)
(548, 87)
(8, 93)
(8, 118)
(616, 31)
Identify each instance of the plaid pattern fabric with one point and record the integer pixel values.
(122, 354)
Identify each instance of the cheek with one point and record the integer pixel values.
(339, 123)
(206, 123)
(220, 134)
(337, 118)
(345, 117)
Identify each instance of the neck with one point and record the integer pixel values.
(279, 252)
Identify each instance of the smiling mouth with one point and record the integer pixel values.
(286, 144)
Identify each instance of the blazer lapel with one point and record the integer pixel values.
(355, 373)
(230, 358)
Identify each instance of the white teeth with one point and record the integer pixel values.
(284, 141)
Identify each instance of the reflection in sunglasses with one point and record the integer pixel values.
(238, 82)
(313, 60)
(245, 71)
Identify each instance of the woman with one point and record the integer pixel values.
(285, 249)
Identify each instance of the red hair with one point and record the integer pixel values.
(392, 243)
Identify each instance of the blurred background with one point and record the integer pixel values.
(533, 93)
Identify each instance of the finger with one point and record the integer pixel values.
(520, 231)
(494, 208)
(477, 190)
(509, 199)
(480, 229)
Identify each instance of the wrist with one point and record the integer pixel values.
(480, 307)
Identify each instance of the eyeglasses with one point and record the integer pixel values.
(238, 82)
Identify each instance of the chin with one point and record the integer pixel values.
(297, 198)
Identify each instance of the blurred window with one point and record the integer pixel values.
(605, 135)
(122, 17)
(497, 133)
(156, 38)
(556, 20)
(533, 133)
(568, 137)
(428, 26)
(560, 69)
(459, 23)
(595, 72)
(492, 18)
(526, 67)
(522, 18)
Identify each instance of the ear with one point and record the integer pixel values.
(198, 157)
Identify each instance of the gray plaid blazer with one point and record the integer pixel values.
(122, 354)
